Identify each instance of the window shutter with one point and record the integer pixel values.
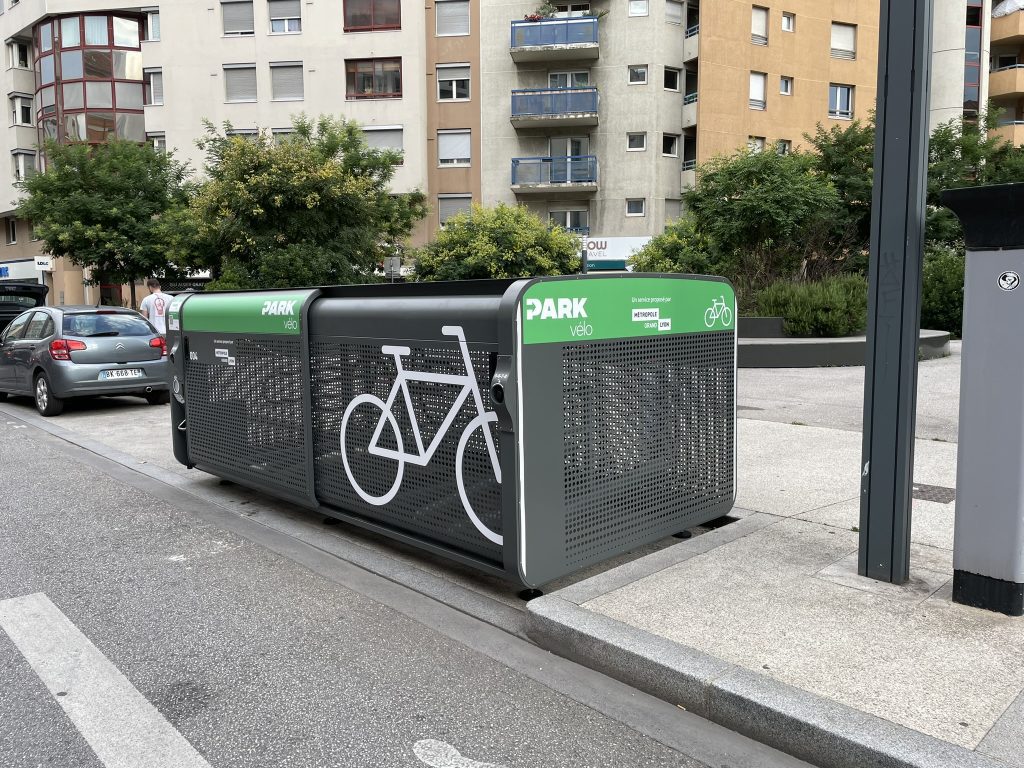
(386, 138)
(452, 17)
(843, 40)
(286, 82)
(449, 206)
(238, 18)
(673, 12)
(453, 73)
(759, 22)
(156, 85)
(240, 83)
(285, 9)
(757, 89)
(453, 146)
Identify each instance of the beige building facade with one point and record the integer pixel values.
(1006, 82)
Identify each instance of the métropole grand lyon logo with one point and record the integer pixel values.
(561, 309)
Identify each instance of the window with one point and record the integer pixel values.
(636, 142)
(673, 12)
(637, 74)
(373, 79)
(23, 164)
(368, 15)
(671, 79)
(281, 135)
(573, 219)
(571, 10)
(1006, 61)
(33, 237)
(384, 137)
(96, 30)
(12, 230)
(578, 79)
(452, 17)
(159, 142)
(784, 146)
(238, 17)
(153, 87)
(21, 110)
(670, 144)
(638, 7)
(453, 147)
(759, 25)
(151, 29)
(840, 101)
(636, 206)
(758, 81)
(452, 82)
(450, 205)
(755, 144)
(844, 41)
(240, 82)
(286, 16)
(19, 54)
(786, 85)
(789, 22)
(286, 81)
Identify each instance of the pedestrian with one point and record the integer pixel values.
(154, 306)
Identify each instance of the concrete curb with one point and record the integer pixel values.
(795, 352)
(805, 725)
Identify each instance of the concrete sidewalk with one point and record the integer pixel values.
(764, 625)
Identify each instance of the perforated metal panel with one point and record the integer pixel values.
(427, 501)
(648, 442)
(248, 418)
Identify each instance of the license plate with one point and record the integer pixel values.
(122, 373)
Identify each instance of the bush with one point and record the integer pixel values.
(942, 290)
(836, 306)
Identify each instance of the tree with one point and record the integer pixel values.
(100, 206)
(680, 248)
(846, 157)
(313, 209)
(501, 242)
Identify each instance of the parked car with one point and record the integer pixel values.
(55, 353)
(16, 297)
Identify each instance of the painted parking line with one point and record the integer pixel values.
(441, 754)
(121, 726)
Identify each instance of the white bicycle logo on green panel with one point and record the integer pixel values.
(717, 311)
(422, 455)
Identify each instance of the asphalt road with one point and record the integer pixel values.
(138, 628)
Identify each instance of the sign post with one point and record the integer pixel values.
(894, 288)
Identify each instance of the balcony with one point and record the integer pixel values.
(691, 43)
(1008, 29)
(689, 110)
(555, 40)
(555, 177)
(1006, 83)
(688, 178)
(1011, 130)
(554, 107)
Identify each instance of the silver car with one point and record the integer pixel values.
(55, 353)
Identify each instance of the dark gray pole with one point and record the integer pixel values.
(894, 292)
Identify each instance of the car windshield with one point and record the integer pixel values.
(8, 300)
(94, 324)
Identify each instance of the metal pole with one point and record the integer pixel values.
(894, 288)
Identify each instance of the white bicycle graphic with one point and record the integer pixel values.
(422, 455)
(717, 310)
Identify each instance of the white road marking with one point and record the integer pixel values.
(440, 754)
(121, 726)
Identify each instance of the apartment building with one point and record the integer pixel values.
(593, 114)
(1006, 81)
(960, 53)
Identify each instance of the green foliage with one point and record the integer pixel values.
(942, 289)
(501, 242)
(313, 209)
(680, 248)
(836, 306)
(846, 157)
(103, 206)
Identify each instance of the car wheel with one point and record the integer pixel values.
(3, 396)
(158, 398)
(47, 403)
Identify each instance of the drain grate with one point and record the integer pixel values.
(936, 493)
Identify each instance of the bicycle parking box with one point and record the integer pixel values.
(529, 428)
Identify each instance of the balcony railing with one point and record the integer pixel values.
(690, 98)
(576, 31)
(693, 31)
(1010, 122)
(1009, 66)
(689, 165)
(574, 169)
(551, 102)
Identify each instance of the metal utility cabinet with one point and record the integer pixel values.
(988, 545)
(528, 428)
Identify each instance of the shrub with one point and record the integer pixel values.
(837, 306)
(942, 290)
